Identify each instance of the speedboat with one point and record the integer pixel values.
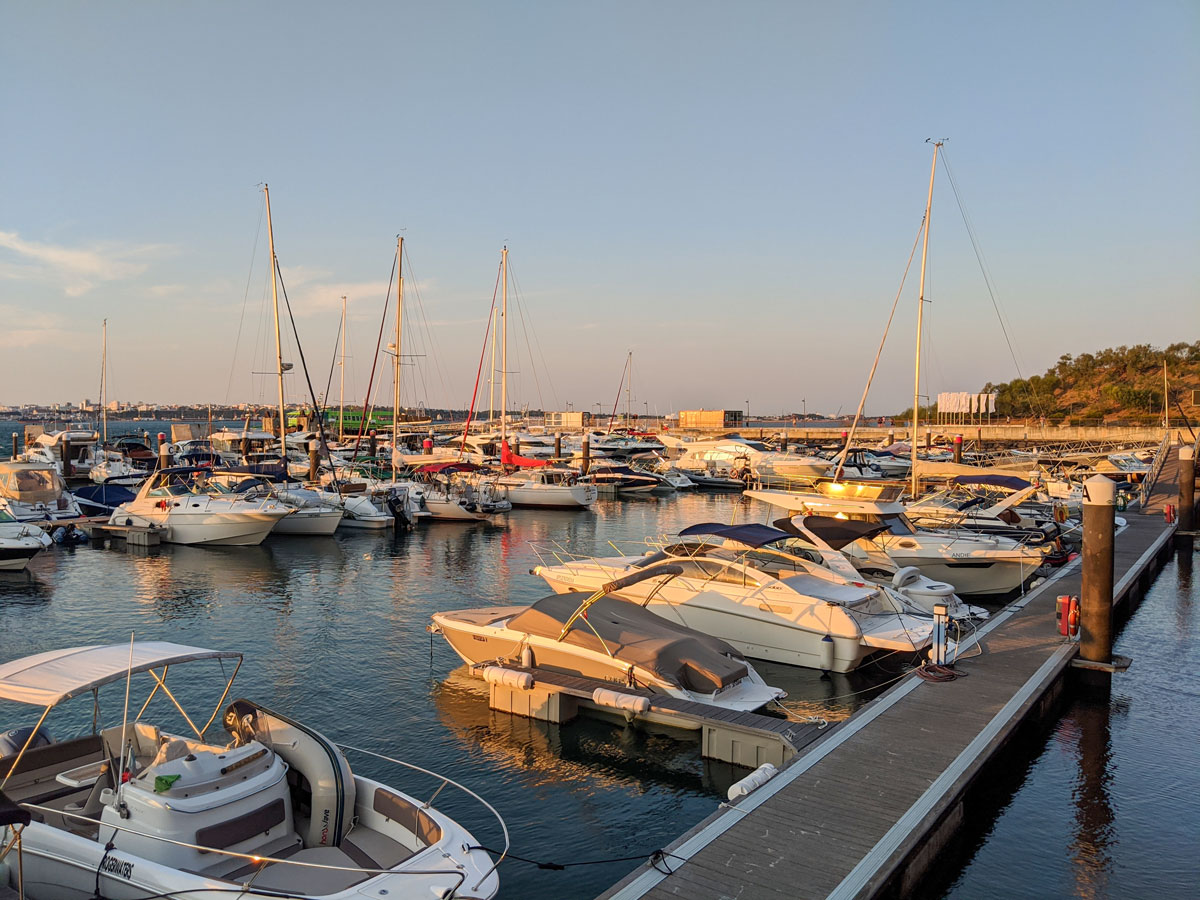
(973, 563)
(768, 604)
(270, 808)
(992, 505)
(72, 451)
(35, 492)
(598, 636)
(547, 486)
(453, 491)
(622, 478)
(18, 543)
(191, 508)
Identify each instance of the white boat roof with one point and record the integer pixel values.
(47, 679)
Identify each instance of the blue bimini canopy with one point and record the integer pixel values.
(1011, 482)
(752, 534)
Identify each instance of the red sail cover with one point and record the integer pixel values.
(508, 458)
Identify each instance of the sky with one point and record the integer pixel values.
(728, 191)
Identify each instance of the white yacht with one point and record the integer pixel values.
(741, 459)
(455, 491)
(19, 543)
(974, 564)
(191, 508)
(768, 604)
(36, 492)
(267, 807)
(52, 447)
(597, 636)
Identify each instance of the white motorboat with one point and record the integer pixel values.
(311, 514)
(598, 636)
(821, 539)
(454, 491)
(993, 505)
(974, 564)
(272, 808)
(19, 543)
(547, 486)
(737, 458)
(72, 451)
(767, 603)
(36, 492)
(191, 508)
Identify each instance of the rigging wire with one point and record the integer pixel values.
(529, 347)
(332, 362)
(367, 406)
(478, 372)
(987, 280)
(433, 350)
(245, 297)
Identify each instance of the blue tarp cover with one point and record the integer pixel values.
(751, 533)
(1012, 482)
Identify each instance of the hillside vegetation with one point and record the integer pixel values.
(1118, 384)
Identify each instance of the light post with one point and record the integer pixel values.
(804, 405)
(747, 412)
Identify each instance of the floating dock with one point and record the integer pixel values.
(864, 810)
(744, 738)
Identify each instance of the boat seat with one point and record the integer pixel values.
(90, 807)
(307, 882)
(235, 868)
(374, 850)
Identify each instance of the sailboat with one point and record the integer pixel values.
(532, 482)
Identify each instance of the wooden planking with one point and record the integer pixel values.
(841, 807)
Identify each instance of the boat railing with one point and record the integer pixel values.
(1160, 459)
(261, 862)
(556, 553)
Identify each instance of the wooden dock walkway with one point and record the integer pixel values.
(864, 809)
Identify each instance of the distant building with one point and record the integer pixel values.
(571, 419)
(710, 418)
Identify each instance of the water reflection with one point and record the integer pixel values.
(588, 752)
(1094, 820)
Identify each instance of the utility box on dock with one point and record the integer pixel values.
(747, 748)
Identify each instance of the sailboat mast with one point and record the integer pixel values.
(104, 380)
(920, 317)
(628, 386)
(342, 386)
(278, 343)
(396, 359)
(504, 348)
(492, 373)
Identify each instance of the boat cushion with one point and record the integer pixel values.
(680, 655)
(402, 811)
(307, 881)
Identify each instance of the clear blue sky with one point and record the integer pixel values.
(728, 190)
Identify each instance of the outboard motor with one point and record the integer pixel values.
(12, 741)
(397, 504)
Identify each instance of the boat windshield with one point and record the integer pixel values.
(6, 516)
(898, 523)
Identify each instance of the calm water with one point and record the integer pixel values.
(333, 630)
(1108, 804)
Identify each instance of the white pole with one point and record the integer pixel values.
(278, 343)
(342, 387)
(920, 316)
(504, 349)
(396, 362)
(104, 381)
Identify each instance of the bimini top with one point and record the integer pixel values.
(47, 679)
(1011, 482)
(752, 534)
(447, 468)
(837, 533)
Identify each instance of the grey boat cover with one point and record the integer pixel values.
(677, 654)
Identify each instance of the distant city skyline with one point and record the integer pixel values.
(731, 193)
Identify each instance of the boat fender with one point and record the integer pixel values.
(826, 653)
(906, 576)
(617, 700)
(757, 778)
(507, 677)
(527, 657)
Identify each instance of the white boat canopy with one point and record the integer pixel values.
(47, 679)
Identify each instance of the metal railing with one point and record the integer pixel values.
(1160, 459)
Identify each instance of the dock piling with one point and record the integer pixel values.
(164, 452)
(14, 455)
(1187, 489)
(958, 449)
(558, 445)
(312, 460)
(1096, 594)
(585, 461)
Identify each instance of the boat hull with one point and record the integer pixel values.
(243, 529)
(549, 496)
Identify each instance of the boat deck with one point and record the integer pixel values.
(863, 809)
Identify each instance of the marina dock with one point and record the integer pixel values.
(863, 811)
